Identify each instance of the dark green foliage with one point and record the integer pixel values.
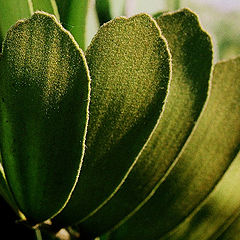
(232, 232)
(103, 11)
(187, 94)
(149, 151)
(130, 70)
(211, 148)
(44, 100)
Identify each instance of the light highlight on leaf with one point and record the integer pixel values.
(130, 70)
(233, 230)
(204, 159)
(44, 100)
(210, 216)
(191, 53)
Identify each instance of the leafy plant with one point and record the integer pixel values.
(135, 138)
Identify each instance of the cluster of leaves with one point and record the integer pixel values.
(137, 137)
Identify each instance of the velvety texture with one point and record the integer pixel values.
(44, 91)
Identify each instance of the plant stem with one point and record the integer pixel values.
(38, 234)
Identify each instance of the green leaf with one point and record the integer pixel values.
(103, 11)
(12, 10)
(44, 93)
(73, 14)
(211, 214)
(130, 70)
(4, 189)
(191, 51)
(233, 230)
(48, 6)
(1, 40)
(108, 9)
(209, 151)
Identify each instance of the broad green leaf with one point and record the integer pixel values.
(191, 53)
(103, 11)
(4, 189)
(44, 93)
(1, 40)
(212, 213)
(10, 12)
(203, 160)
(13, 10)
(233, 230)
(73, 14)
(130, 69)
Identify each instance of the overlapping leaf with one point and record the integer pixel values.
(191, 53)
(44, 101)
(49, 6)
(209, 218)
(232, 232)
(139, 173)
(130, 69)
(4, 189)
(202, 162)
(103, 11)
(110, 8)
(73, 14)
(20, 10)
(12, 10)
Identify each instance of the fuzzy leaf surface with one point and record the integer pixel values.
(44, 92)
(12, 10)
(209, 151)
(130, 69)
(191, 52)
(208, 218)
